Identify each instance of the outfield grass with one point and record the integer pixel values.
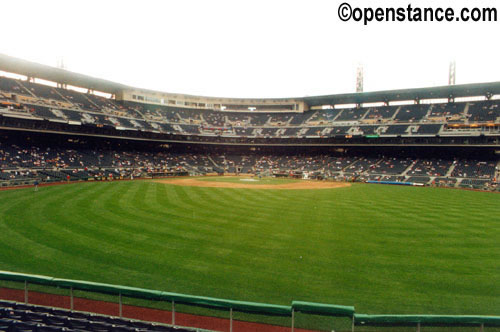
(383, 249)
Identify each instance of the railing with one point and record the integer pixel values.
(320, 309)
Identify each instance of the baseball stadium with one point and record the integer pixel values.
(129, 209)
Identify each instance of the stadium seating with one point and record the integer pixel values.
(429, 129)
(323, 116)
(25, 161)
(418, 179)
(237, 123)
(380, 113)
(447, 110)
(351, 114)
(396, 130)
(411, 113)
(430, 167)
(483, 111)
(474, 169)
(27, 317)
(473, 183)
(66, 105)
(391, 166)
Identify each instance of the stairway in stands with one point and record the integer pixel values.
(217, 168)
(450, 170)
(409, 167)
(497, 173)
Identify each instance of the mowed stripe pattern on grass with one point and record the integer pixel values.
(383, 249)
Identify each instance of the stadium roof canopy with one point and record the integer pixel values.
(446, 91)
(32, 69)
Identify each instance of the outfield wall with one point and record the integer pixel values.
(397, 183)
(309, 308)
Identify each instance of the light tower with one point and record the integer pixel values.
(359, 78)
(61, 65)
(452, 73)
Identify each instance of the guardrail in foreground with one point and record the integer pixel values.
(250, 307)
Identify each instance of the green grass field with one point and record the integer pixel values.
(383, 249)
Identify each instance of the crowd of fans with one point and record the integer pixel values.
(55, 163)
(47, 163)
(431, 167)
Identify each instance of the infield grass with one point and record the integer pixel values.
(383, 249)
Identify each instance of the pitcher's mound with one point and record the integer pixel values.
(213, 183)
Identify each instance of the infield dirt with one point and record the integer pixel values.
(302, 184)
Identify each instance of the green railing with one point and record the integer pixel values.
(250, 307)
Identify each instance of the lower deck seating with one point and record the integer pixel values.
(25, 161)
(474, 183)
(445, 181)
(418, 179)
(26, 317)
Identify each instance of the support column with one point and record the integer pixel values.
(230, 319)
(173, 312)
(120, 304)
(71, 305)
(25, 292)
